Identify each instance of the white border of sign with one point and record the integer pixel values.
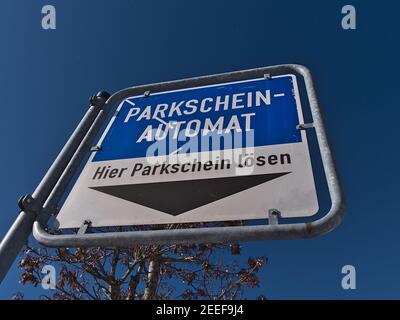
(219, 234)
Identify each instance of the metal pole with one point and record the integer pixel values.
(31, 206)
(59, 188)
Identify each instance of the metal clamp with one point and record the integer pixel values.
(83, 228)
(267, 76)
(99, 99)
(27, 203)
(95, 148)
(305, 126)
(221, 234)
(273, 216)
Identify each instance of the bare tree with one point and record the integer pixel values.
(197, 271)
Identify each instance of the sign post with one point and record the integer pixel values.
(32, 205)
(224, 147)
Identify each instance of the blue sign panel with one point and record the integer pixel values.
(265, 107)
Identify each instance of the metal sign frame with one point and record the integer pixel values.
(37, 208)
(219, 234)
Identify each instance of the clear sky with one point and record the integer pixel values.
(46, 78)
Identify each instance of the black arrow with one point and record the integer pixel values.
(177, 197)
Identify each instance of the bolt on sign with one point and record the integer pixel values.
(227, 151)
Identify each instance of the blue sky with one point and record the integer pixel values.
(47, 77)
